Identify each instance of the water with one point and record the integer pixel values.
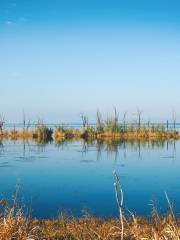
(76, 177)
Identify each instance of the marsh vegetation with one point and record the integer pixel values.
(109, 128)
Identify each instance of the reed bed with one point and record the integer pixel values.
(46, 134)
(112, 128)
(41, 134)
(109, 128)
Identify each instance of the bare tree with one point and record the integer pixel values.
(28, 125)
(99, 121)
(167, 125)
(2, 122)
(124, 120)
(174, 119)
(24, 119)
(84, 120)
(116, 116)
(139, 114)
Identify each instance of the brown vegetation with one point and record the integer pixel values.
(111, 128)
(15, 226)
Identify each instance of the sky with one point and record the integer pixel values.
(61, 58)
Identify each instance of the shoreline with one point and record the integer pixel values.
(45, 134)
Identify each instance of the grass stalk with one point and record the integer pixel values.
(117, 185)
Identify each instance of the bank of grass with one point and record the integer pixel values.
(117, 131)
(14, 225)
(41, 133)
(109, 128)
(45, 134)
(113, 128)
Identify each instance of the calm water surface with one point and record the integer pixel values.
(76, 177)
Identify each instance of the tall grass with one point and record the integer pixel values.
(112, 127)
(63, 132)
(42, 133)
(109, 127)
(14, 225)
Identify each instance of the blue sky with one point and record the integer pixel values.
(63, 57)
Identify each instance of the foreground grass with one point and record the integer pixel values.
(14, 225)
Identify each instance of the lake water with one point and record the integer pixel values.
(76, 177)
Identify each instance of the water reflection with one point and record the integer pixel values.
(1, 147)
(76, 174)
(110, 146)
(113, 147)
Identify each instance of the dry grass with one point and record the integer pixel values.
(165, 228)
(23, 134)
(64, 132)
(44, 134)
(110, 128)
(14, 225)
(115, 132)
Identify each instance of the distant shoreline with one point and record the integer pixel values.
(109, 128)
(43, 133)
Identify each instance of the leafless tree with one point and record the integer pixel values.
(124, 120)
(116, 115)
(139, 114)
(24, 120)
(174, 119)
(25, 123)
(99, 121)
(84, 120)
(2, 122)
(28, 125)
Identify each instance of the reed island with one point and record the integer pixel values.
(103, 129)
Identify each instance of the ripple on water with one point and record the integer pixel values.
(86, 161)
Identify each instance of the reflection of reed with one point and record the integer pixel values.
(1, 147)
(110, 146)
(115, 146)
(62, 143)
(33, 146)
